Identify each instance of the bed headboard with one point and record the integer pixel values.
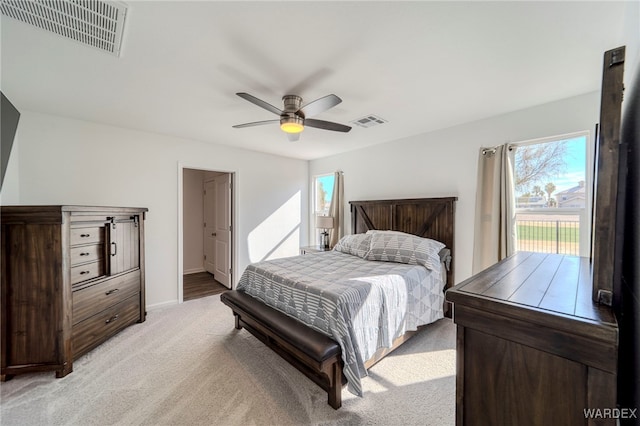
(425, 217)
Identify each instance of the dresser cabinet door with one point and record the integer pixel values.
(508, 383)
(123, 247)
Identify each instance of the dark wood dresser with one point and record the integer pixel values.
(72, 276)
(532, 347)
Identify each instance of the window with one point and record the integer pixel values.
(553, 196)
(322, 194)
(323, 191)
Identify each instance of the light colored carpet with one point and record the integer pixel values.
(187, 365)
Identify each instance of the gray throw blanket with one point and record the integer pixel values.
(363, 305)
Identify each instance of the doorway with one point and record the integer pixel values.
(207, 233)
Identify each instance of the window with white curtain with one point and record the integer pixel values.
(553, 195)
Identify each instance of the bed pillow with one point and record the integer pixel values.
(355, 244)
(399, 247)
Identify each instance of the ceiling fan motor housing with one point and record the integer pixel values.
(292, 103)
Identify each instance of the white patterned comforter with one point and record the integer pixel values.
(361, 304)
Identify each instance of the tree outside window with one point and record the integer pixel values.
(323, 187)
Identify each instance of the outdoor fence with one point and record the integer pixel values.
(549, 236)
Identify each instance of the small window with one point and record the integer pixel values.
(323, 192)
(552, 196)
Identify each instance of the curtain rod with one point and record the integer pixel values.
(492, 151)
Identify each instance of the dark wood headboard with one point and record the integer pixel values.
(425, 217)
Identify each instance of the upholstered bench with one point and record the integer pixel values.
(311, 352)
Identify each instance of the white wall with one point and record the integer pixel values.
(444, 162)
(11, 184)
(66, 161)
(192, 221)
(632, 51)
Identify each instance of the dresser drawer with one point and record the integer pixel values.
(84, 254)
(87, 271)
(96, 298)
(87, 235)
(94, 330)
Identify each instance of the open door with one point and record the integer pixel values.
(217, 228)
(223, 230)
(209, 226)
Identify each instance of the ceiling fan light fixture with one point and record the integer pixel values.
(291, 124)
(294, 118)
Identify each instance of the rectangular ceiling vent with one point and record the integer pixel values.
(95, 23)
(369, 121)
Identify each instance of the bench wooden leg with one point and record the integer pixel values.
(334, 392)
(237, 317)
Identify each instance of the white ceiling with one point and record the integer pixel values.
(420, 65)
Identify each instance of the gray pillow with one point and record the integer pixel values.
(399, 247)
(355, 244)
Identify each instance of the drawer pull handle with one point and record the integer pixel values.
(84, 272)
(85, 235)
(114, 249)
(112, 319)
(115, 290)
(85, 254)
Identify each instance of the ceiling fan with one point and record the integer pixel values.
(294, 118)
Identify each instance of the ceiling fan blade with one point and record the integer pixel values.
(260, 103)
(326, 125)
(255, 123)
(319, 105)
(293, 137)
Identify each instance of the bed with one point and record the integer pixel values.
(329, 314)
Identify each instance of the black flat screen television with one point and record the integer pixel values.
(8, 126)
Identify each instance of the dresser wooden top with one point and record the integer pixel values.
(54, 213)
(69, 208)
(549, 289)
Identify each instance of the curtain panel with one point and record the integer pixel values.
(494, 231)
(336, 209)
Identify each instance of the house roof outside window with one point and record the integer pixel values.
(574, 197)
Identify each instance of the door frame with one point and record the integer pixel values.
(234, 219)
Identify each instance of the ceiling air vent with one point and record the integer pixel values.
(369, 121)
(95, 23)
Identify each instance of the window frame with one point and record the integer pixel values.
(586, 213)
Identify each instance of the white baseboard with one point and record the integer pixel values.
(161, 305)
(193, 271)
